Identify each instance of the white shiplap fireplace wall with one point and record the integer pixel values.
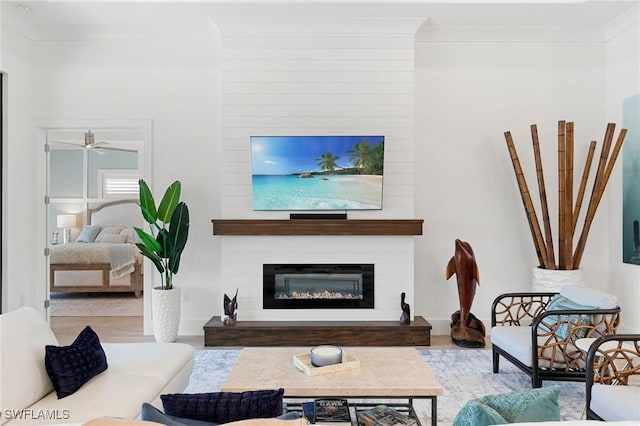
(318, 77)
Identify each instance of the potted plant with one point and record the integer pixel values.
(163, 245)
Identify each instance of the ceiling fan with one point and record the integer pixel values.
(90, 143)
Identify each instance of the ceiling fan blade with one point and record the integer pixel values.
(66, 143)
(104, 148)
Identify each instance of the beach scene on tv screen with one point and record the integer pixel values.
(317, 172)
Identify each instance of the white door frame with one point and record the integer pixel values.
(40, 135)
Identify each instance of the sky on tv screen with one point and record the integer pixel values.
(317, 172)
(284, 155)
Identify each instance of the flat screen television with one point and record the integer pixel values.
(317, 172)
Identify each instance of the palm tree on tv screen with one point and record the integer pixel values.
(327, 161)
(367, 159)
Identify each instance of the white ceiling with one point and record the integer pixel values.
(91, 20)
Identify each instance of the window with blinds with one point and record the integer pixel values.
(119, 184)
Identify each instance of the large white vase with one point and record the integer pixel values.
(551, 280)
(165, 311)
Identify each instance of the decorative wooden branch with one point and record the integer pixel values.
(567, 213)
(568, 199)
(583, 184)
(562, 182)
(577, 258)
(526, 200)
(550, 256)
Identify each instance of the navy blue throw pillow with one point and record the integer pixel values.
(224, 407)
(70, 367)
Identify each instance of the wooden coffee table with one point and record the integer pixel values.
(385, 374)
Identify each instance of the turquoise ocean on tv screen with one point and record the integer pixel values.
(321, 192)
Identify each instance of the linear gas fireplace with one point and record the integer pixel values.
(309, 286)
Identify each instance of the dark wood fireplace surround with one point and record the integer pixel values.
(310, 333)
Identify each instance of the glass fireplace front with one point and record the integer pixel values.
(295, 286)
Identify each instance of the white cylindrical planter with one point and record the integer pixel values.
(551, 280)
(165, 311)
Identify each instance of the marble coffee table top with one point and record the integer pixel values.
(384, 372)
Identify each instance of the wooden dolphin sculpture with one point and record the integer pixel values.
(466, 329)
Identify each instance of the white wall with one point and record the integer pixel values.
(471, 87)
(173, 83)
(622, 81)
(22, 263)
(314, 76)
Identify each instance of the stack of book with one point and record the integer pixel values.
(383, 415)
(327, 412)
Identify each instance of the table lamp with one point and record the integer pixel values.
(66, 222)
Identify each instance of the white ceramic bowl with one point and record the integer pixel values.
(325, 355)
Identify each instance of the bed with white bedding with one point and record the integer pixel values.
(103, 258)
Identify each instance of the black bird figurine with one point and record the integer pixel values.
(405, 318)
(230, 306)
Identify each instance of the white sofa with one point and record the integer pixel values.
(136, 373)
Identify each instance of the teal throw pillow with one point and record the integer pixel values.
(88, 234)
(543, 407)
(532, 405)
(562, 303)
(475, 413)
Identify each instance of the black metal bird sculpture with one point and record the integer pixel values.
(230, 307)
(405, 318)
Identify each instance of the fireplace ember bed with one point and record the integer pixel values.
(318, 286)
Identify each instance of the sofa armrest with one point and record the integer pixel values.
(516, 309)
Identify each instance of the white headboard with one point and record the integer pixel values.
(120, 212)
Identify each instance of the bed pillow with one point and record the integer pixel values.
(130, 235)
(224, 407)
(89, 234)
(108, 230)
(114, 238)
(70, 367)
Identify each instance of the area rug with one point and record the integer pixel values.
(464, 374)
(95, 305)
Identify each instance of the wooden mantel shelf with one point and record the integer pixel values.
(317, 227)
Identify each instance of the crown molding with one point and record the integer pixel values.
(622, 23)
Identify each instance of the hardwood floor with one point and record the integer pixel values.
(129, 329)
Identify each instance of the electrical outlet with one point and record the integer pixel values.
(186, 295)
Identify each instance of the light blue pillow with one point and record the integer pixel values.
(89, 234)
(562, 303)
(532, 405)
